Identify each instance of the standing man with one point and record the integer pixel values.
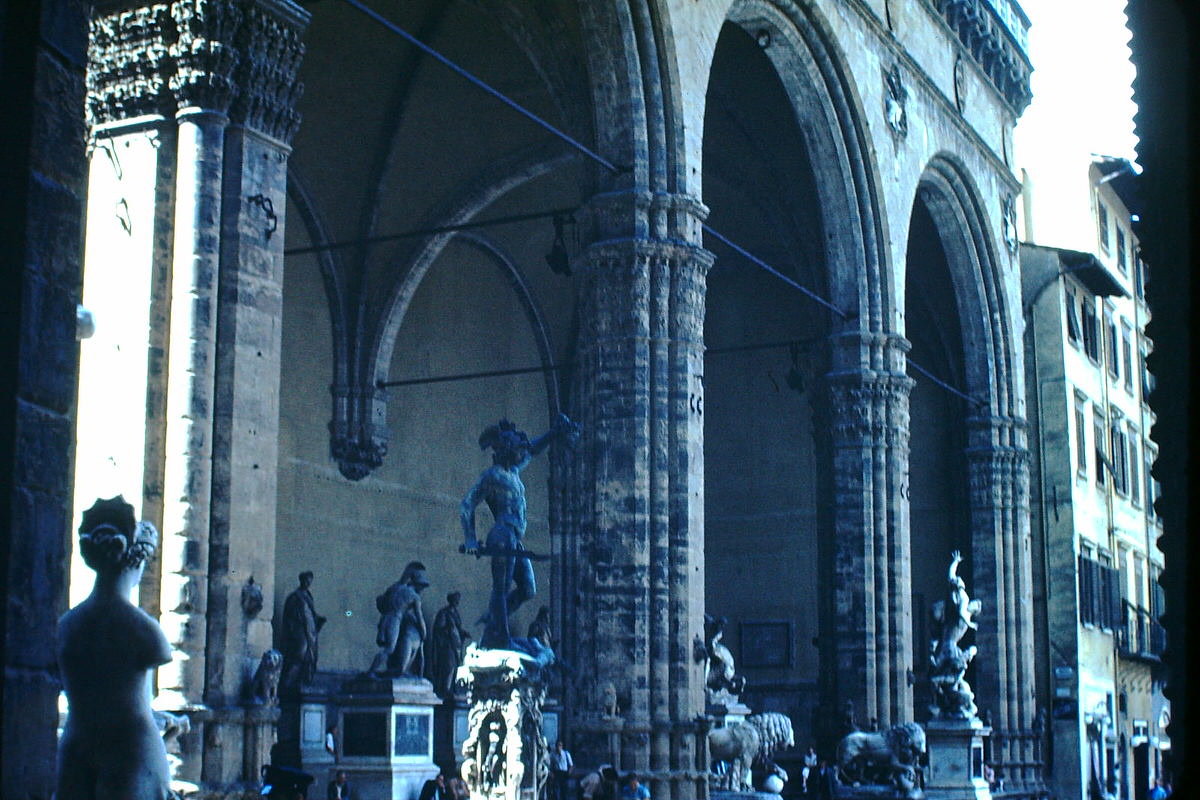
(560, 770)
(501, 488)
(301, 624)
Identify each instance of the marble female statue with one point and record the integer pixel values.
(108, 648)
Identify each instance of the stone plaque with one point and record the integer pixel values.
(766, 644)
(413, 736)
(365, 734)
(312, 727)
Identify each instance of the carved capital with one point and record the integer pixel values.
(204, 53)
(213, 55)
(271, 49)
(870, 406)
(128, 63)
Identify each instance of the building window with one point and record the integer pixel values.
(1102, 214)
(1073, 335)
(1134, 439)
(1091, 330)
(1121, 264)
(1099, 592)
(1120, 473)
(1127, 354)
(1081, 435)
(1111, 349)
(1151, 484)
(1141, 277)
(1145, 375)
(1123, 568)
(1099, 437)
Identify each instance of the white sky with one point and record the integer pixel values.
(1082, 105)
(1082, 81)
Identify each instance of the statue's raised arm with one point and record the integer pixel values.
(562, 429)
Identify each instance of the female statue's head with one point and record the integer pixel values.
(111, 540)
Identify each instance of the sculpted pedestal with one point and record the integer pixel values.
(386, 736)
(505, 753)
(956, 759)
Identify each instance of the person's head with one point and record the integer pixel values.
(607, 772)
(508, 444)
(453, 598)
(632, 781)
(112, 542)
(341, 776)
(440, 780)
(414, 575)
(306, 579)
(332, 728)
(558, 746)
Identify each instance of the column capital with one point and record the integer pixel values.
(236, 58)
(271, 49)
(129, 63)
(869, 405)
(637, 213)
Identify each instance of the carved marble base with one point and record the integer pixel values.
(955, 749)
(505, 753)
(725, 708)
(385, 741)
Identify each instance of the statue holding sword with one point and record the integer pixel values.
(501, 488)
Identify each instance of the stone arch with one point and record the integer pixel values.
(332, 275)
(508, 175)
(996, 458)
(529, 306)
(948, 192)
(811, 66)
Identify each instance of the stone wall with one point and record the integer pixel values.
(43, 52)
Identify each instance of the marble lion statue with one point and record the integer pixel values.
(739, 746)
(889, 757)
(264, 686)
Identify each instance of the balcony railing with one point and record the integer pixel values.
(1141, 636)
(996, 34)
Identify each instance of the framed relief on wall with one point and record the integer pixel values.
(766, 645)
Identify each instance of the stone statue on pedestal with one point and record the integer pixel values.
(401, 633)
(952, 694)
(446, 644)
(108, 648)
(720, 676)
(298, 639)
(501, 488)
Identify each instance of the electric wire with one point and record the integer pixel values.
(496, 93)
(599, 159)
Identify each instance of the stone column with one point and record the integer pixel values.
(998, 465)
(203, 89)
(218, 78)
(245, 410)
(637, 507)
(870, 628)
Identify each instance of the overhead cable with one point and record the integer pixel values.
(599, 159)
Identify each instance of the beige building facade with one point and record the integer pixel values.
(1095, 528)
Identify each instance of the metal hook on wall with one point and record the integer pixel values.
(264, 202)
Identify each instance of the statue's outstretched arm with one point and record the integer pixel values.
(562, 428)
